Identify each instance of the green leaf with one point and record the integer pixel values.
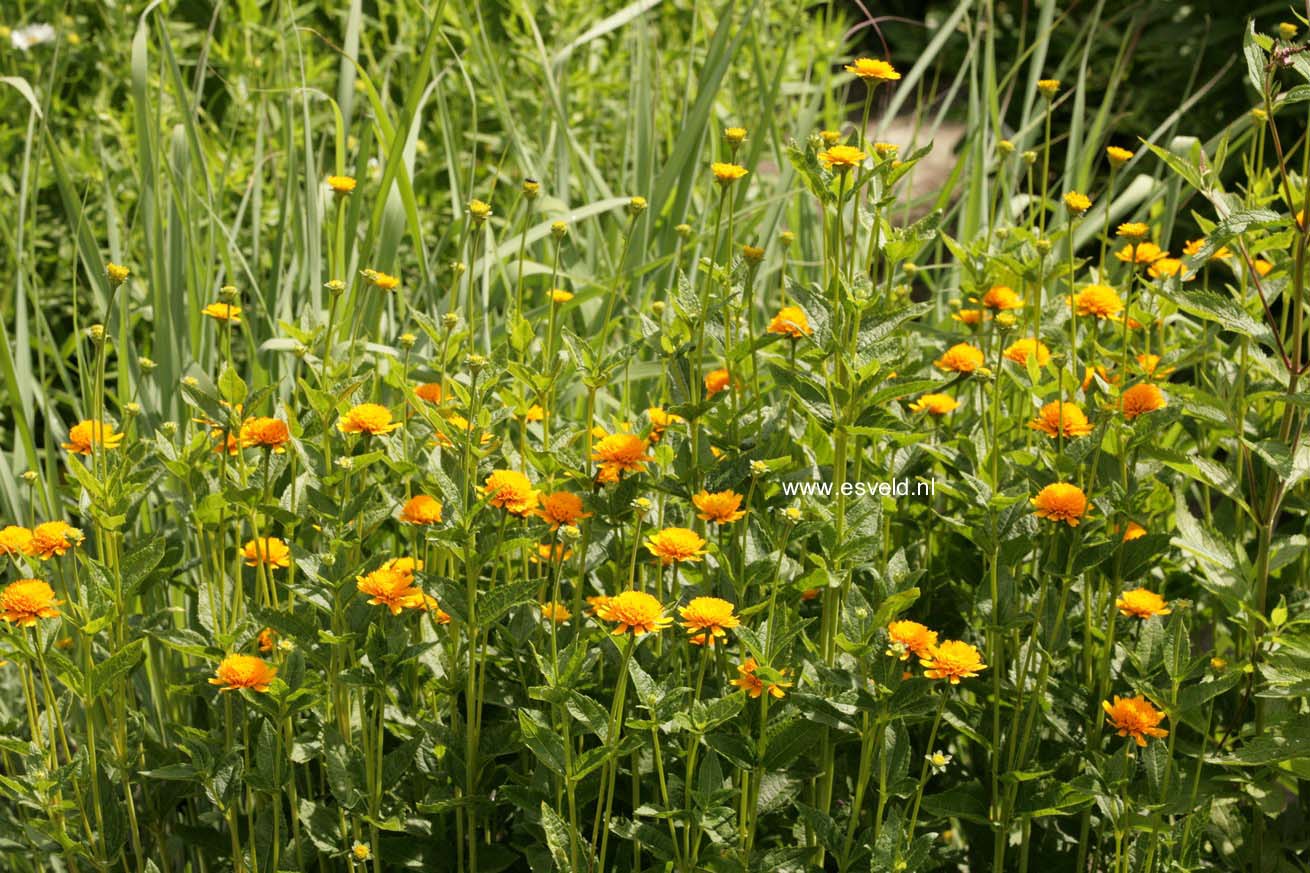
(106, 674)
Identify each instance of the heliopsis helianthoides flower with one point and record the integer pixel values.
(223, 312)
(790, 321)
(1145, 253)
(720, 507)
(960, 358)
(673, 545)
(873, 69)
(562, 508)
(244, 671)
(1061, 418)
(1101, 301)
(378, 279)
(368, 418)
(1133, 230)
(708, 619)
(511, 491)
(1061, 501)
(1133, 531)
(551, 553)
(952, 660)
(910, 638)
(1134, 717)
(1141, 603)
(341, 184)
(27, 601)
(661, 420)
(559, 295)
(1001, 298)
(935, 404)
(970, 317)
(430, 391)
(716, 381)
(555, 612)
(1193, 247)
(621, 453)
(15, 541)
(1118, 156)
(265, 433)
(597, 603)
(270, 551)
(391, 586)
(726, 174)
(1167, 267)
(1077, 203)
(749, 680)
(457, 422)
(421, 509)
(53, 538)
(842, 158)
(1091, 374)
(634, 611)
(84, 436)
(1142, 398)
(1020, 350)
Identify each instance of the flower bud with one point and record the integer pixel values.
(531, 189)
(558, 229)
(637, 205)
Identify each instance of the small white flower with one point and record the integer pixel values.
(31, 36)
(939, 761)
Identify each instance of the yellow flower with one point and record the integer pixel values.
(726, 174)
(708, 619)
(15, 541)
(1133, 230)
(548, 553)
(555, 612)
(721, 507)
(1141, 399)
(830, 137)
(1061, 501)
(1134, 717)
(1193, 247)
(53, 538)
(1163, 268)
(1146, 253)
(534, 413)
(842, 157)
(1118, 157)
(675, 545)
(1019, 351)
(910, 638)
(265, 433)
(935, 404)
(734, 135)
(27, 601)
(1002, 297)
(421, 510)
(223, 312)
(885, 150)
(960, 358)
(392, 586)
(1077, 203)
(791, 321)
(716, 381)
(562, 508)
(969, 316)
(660, 420)
(559, 295)
(512, 491)
(1262, 267)
(1048, 87)
(244, 671)
(378, 279)
(1101, 301)
(341, 184)
(1133, 531)
(361, 851)
(368, 418)
(1141, 603)
(634, 611)
(84, 436)
(269, 551)
(749, 681)
(1061, 418)
(117, 273)
(952, 660)
(870, 69)
(480, 210)
(621, 453)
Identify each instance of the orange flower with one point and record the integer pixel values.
(621, 453)
(749, 681)
(368, 418)
(15, 541)
(1019, 351)
(721, 507)
(597, 602)
(1140, 253)
(265, 433)
(1061, 501)
(556, 612)
(244, 671)
(1141, 399)
(1001, 298)
(716, 381)
(561, 508)
(953, 660)
(634, 611)
(550, 553)
(675, 545)
(1141, 603)
(378, 279)
(910, 638)
(27, 601)
(708, 619)
(1101, 301)
(1090, 374)
(791, 321)
(935, 404)
(1061, 418)
(422, 510)
(53, 538)
(1133, 531)
(512, 491)
(429, 391)
(1193, 248)
(1150, 365)
(960, 358)
(267, 640)
(84, 436)
(660, 420)
(1134, 717)
(969, 316)
(392, 586)
(270, 551)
